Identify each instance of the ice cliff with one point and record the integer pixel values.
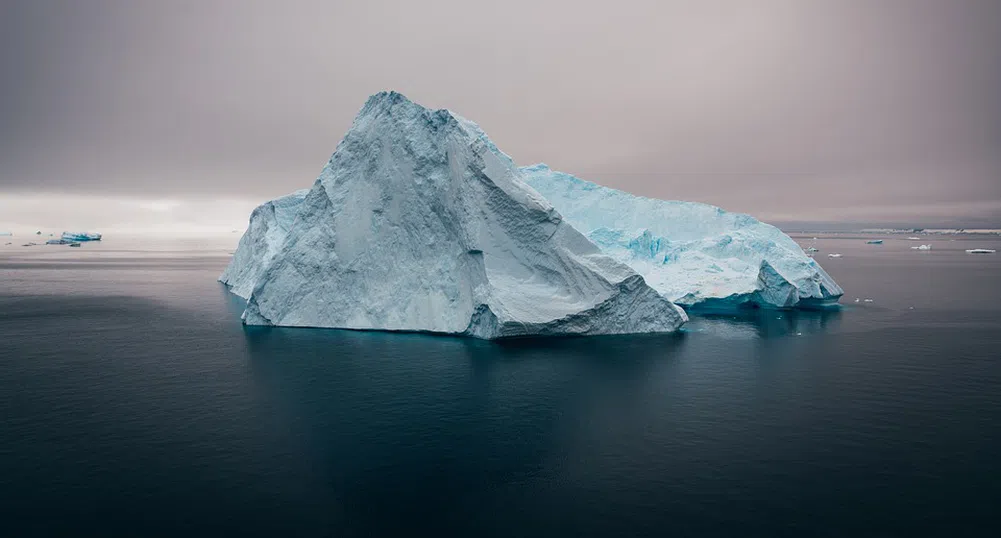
(269, 224)
(696, 255)
(419, 223)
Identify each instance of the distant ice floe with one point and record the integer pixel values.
(921, 247)
(874, 242)
(81, 236)
(834, 255)
(980, 251)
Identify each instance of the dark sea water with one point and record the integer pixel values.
(133, 403)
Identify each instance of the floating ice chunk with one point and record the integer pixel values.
(813, 249)
(867, 301)
(57, 242)
(81, 236)
(980, 251)
(874, 242)
(921, 247)
(914, 238)
(834, 255)
(6, 234)
(679, 247)
(419, 223)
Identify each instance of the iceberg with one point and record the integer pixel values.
(696, 255)
(874, 242)
(269, 224)
(980, 251)
(6, 234)
(418, 222)
(921, 247)
(81, 236)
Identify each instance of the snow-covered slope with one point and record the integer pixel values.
(269, 224)
(694, 254)
(419, 223)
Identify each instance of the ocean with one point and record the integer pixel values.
(134, 403)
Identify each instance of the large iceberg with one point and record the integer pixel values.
(696, 255)
(419, 223)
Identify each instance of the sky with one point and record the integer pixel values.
(182, 114)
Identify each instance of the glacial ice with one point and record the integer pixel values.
(696, 255)
(269, 224)
(81, 236)
(419, 223)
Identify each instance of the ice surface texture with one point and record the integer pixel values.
(695, 254)
(419, 223)
(269, 225)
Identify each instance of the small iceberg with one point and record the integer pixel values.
(74, 244)
(921, 247)
(57, 242)
(81, 236)
(39, 232)
(6, 233)
(813, 249)
(913, 238)
(834, 255)
(980, 251)
(874, 242)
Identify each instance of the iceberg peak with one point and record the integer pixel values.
(418, 222)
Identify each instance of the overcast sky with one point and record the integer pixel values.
(858, 111)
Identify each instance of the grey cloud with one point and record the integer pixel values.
(787, 108)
